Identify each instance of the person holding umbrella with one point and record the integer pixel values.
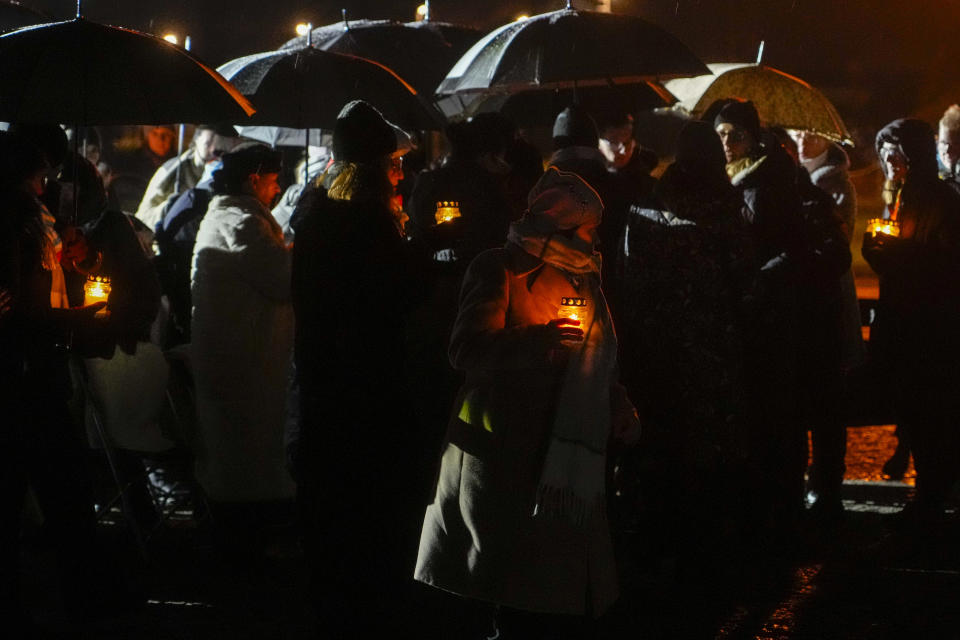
(765, 177)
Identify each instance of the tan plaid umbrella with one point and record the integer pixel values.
(781, 99)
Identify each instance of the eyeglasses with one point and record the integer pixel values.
(396, 163)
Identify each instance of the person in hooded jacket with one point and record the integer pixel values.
(242, 330)
(358, 458)
(919, 306)
(687, 273)
(518, 518)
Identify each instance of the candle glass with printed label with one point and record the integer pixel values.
(885, 226)
(573, 308)
(97, 289)
(447, 210)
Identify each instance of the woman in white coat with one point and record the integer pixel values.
(242, 334)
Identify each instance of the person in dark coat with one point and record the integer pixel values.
(474, 177)
(765, 177)
(175, 237)
(820, 264)
(686, 274)
(360, 485)
(40, 442)
(919, 306)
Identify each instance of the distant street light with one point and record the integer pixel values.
(303, 28)
(172, 38)
(423, 11)
(521, 17)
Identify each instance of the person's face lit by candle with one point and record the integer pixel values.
(895, 166)
(265, 187)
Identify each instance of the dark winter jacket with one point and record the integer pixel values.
(354, 278)
(919, 306)
(686, 274)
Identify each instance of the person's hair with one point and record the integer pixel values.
(20, 159)
(88, 183)
(483, 133)
(356, 181)
(951, 118)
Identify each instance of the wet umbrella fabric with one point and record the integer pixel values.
(570, 48)
(781, 99)
(285, 136)
(81, 72)
(306, 88)
(540, 106)
(14, 15)
(419, 52)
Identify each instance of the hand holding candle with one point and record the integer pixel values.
(447, 210)
(97, 289)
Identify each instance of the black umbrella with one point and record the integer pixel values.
(419, 52)
(81, 72)
(14, 15)
(570, 48)
(306, 88)
(540, 106)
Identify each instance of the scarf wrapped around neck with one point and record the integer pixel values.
(573, 473)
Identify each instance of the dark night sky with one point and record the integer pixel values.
(876, 59)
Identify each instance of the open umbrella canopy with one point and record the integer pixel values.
(781, 99)
(81, 72)
(419, 52)
(540, 107)
(570, 48)
(306, 88)
(14, 15)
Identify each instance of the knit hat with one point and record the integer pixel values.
(361, 134)
(740, 114)
(574, 127)
(561, 201)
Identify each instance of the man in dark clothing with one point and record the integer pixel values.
(473, 184)
(919, 306)
(765, 177)
(821, 262)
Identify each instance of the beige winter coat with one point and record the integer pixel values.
(479, 537)
(242, 340)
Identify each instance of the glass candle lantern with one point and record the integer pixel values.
(883, 225)
(447, 210)
(573, 308)
(97, 289)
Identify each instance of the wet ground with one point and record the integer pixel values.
(865, 578)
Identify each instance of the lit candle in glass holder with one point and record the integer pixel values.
(97, 289)
(883, 225)
(447, 210)
(573, 308)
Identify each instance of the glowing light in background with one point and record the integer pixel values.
(303, 28)
(172, 38)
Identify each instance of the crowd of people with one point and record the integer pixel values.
(475, 375)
